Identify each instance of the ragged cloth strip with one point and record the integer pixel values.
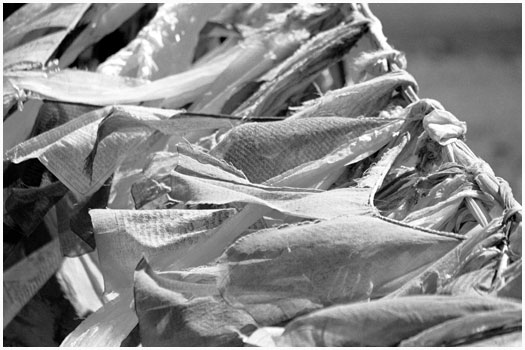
(189, 160)
(147, 57)
(394, 320)
(234, 227)
(101, 20)
(31, 172)
(468, 329)
(28, 206)
(363, 99)
(149, 233)
(337, 269)
(298, 71)
(201, 254)
(34, 18)
(285, 254)
(436, 200)
(292, 201)
(189, 322)
(77, 86)
(265, 47)
(63, 150)
(263, 151)
(193, 277)
(267, 313)
(293, 278)
(135, 233)
(449, 267)
(322, 173)
(225, 234)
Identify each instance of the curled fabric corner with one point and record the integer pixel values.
(443, 127)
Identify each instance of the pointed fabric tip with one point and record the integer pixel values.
(143, 264)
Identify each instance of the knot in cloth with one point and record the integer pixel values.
(509, 202)
(443, 127)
